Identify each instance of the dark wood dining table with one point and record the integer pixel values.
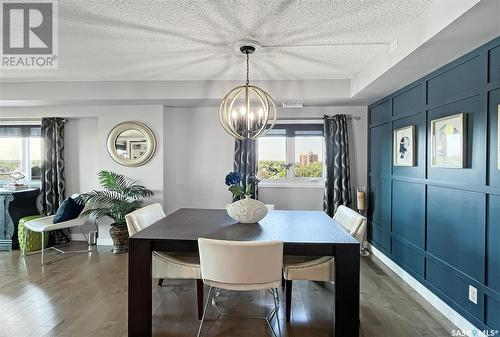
(306, 233)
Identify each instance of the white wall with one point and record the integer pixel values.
(199, 153)
(295, 198)
(80, 154)
(193, 155)
(85, 145)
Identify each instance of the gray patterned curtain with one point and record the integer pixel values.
(337, 182)
(52, 172)
(245, 161)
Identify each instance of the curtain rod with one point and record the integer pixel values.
(357, 118)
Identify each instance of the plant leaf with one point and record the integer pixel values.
(113, 181)
(137, 191)
(121, 197)
(236, 190)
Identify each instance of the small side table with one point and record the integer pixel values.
(13, 206)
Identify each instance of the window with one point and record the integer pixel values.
(309, 156)
(20, 148)
(272, 155)
(291, 153)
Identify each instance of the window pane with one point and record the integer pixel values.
(35, 156)
(10, 156)
(11, 132)
(276, 132)
(35, 132)
(309, 133)
(272, 157)
(308, 156)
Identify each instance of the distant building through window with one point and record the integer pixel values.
(307, 159)
(292, 152)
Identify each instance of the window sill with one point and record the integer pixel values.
(305, 184)
(31, 183)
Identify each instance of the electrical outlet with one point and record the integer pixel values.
(472, 294)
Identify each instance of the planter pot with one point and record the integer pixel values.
(119, 235)
(247, 210)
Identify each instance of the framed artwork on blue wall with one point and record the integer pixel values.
(404, 146)
(449, 141)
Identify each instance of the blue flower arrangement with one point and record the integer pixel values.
(234, 181)
(233, 178)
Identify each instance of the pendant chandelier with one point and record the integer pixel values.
(247, 111)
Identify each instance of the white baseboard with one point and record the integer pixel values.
(457, 319)
(104, 242)
(77, 237)
(100, 242)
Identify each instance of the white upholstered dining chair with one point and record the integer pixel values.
(322, 268)
(167, 265)
(241, 266)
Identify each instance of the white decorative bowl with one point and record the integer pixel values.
(247, 210)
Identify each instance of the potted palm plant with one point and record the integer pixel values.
(121, 196)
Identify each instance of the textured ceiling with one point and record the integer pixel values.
(194, 40)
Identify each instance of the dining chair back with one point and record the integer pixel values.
(166, 265)
(241, 265)
(352, 221)
(144, 217)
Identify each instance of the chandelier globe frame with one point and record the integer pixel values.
(247, 111)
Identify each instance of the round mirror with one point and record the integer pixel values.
(131, 144)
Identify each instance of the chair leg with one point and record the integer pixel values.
(43, 247)
(282, 282)
(199, 297)
(160, 282)
(277, 308)
(204, 311)
(288, 300)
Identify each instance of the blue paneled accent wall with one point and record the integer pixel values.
(442, 225)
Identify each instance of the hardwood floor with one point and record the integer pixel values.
(86, 295)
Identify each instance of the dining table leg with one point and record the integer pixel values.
(139, 288)
(347, 290)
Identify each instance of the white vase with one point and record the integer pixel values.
(247, 210)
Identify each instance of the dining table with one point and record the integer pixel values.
(304, 233)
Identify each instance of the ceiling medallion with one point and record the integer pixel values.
(247, 111)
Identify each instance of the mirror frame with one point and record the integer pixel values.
(148, 134)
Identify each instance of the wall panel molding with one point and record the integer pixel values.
(441, 226)
(417, 285)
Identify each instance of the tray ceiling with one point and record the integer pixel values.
(194, 40)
